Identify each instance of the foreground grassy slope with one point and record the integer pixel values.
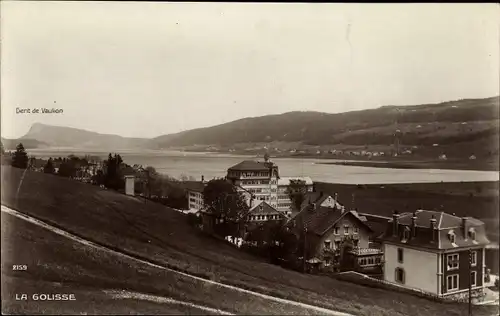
(59, 265)
(153, 231)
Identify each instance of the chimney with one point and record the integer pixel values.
(313, 207)
(414, 225)
(433, 228)
(464, 226)
(202, 178)
(395, 223)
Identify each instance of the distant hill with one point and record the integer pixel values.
(10, 144)
(458, 127)
(420, 124)
(58, 136)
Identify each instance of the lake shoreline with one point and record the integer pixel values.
(481, 166)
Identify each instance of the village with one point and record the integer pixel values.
(426, 252)
(286, 220)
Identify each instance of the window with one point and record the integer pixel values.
(370, 260)
(377, 260)
(337, 244)
(406, 233)
(451, 236)
(472, 234)
(400, 255)
(346, 230)
(362, 261)
(452, 261)
(473, 259)
(356, 230)
(336, 230)
(452, 282)
(473, 278)
(328, 244)
(356, 243)
(400, 275)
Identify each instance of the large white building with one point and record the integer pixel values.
(258, 178)
(257, 181)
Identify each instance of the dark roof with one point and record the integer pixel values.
(320, 219)
(251, 165)
(311, 197)
(196, 186)
(443, 220)
(438, 237)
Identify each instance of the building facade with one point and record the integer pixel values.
(260, 179)
(332, 234)
(430, 251)
(194, 192)
(130, 185)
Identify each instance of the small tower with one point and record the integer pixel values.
(266, 157)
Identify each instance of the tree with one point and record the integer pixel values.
(49, 167)
(296, 191)
(225, 203)
(67, 168)
(113, 177)
(20, 158)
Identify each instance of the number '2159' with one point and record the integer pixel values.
(19, 267)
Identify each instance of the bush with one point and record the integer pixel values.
(193, 220)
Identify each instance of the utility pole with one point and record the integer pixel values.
(304, 252)
(470, 283)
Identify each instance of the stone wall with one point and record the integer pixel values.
(463, 297)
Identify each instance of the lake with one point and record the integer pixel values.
(175, 163)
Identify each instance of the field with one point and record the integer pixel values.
(481, 165)
(155, 232)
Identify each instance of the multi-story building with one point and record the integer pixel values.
(194, 191)
(430, 251)
(284, 202)
(259, 178)
(334, 235)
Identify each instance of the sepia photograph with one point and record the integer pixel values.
(218, 158)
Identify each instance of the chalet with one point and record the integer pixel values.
(431, 251)
(333, 236)
(260, 214)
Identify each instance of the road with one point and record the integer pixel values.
(285, 306)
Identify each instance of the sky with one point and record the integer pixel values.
(141, 69)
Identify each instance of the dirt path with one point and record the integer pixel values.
(316, 309)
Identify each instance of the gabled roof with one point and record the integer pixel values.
(321, 219)
(251, 165)
(263, 208)
(309, 198)
(196, 186)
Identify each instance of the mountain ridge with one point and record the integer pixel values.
(466, 121)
